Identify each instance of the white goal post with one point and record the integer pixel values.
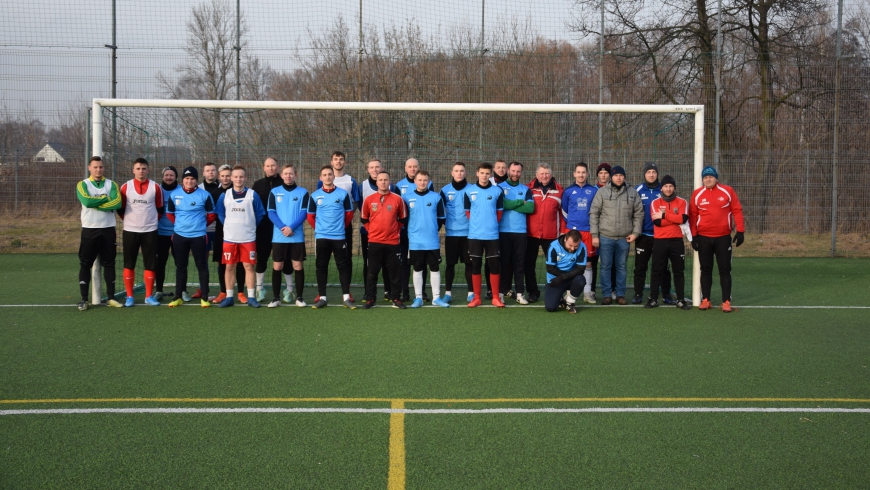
(696, 110)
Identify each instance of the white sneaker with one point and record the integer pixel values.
(301, 303)
(185, 297)
(589, 297)
(521, 299)
(501, 297)
(613, 296)
(275, 304)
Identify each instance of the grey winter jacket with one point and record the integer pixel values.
(616, 214)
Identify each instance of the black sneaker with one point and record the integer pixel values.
(370, 303)
(388, 296)
(397, 303)
(488, 295)
(683, 305)
(570, 308)
(82, 305)
(534, 296)
(638, 299)
(405, 297)
(651, 303)
(509, 294)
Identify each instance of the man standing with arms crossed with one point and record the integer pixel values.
(263, 187)
(141, 207)
(425, 217)
(518, 204)
(545, 223)
(330, 212)
(383, 214)
(456, 230)
(369, 187)
(191, 210)
(484, 203)
(288, 210)
(714, 212)
(100, 198)
(615, 221)
(576, 201)
(240, 210)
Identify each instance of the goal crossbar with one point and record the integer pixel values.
(696, 110)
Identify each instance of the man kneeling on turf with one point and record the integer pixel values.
(566, 263)
(240, 210)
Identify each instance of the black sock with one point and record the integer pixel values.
(277, 276)
(300, 282)
(109, 274)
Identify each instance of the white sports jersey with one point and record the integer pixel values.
(367, 189)
(140, 213)
(345, 182)
(95, 218)
(240, 221)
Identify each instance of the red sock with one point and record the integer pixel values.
(475, 282)
(494, 283)
(129, 276)
(149, 283)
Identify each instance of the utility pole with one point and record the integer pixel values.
(238, 48)
(836, 129)
(114, 48)
(718, 82)
(359, 83)
(482, 53)
(601, 85)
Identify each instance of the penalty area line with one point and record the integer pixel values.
(398, 423)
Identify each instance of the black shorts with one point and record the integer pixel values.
(456, 249)
(293, 251)
(420, 258)
(477, 248)
(133, 241)
(97, 242)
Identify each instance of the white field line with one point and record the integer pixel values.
(442, 411)
(459, 305)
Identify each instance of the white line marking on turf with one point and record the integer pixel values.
(73, 411)
(385, 306)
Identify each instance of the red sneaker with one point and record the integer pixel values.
(217, 299)
(705, 304)
(497, 302)
(475, 302)
(197, 294)
(242, 298)
(726, 307)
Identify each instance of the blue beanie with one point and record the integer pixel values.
(709, 171)
(618, 170)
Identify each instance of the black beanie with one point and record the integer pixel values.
(170, 167)
(649, 166)
(190, 172)
(667, 179)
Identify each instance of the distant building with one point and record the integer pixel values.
(52, 153)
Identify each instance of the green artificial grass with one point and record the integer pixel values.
(455, 353)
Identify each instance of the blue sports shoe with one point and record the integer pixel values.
(252, 302)
(470, 297)
(440, 302)
(151, 301)
(448, 298)
(418, 302)
(228, 301)
(130, 302)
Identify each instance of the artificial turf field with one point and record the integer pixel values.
(775, 395)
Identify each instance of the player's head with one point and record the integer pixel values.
(500, 167)
(458, 172)
(225, 175)
(710, 177)
(669, 186)
(544, 174)
(327, 176)
(338, 160)
(581, 173)
(270, 166)
(374, 167)
(209, 172)
(288, 174)
(484, 172)
(239, 176)
(140, 169)
(515, 171)
(572, 241)
(170, 175)
(603, 172)
(421, 180)
(383, 181)
(96, 167)
(412, 166)
(617, 175)
(650, 172)
(189, 177)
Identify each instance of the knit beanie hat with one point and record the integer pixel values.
(617, 170)
(649, 166)
(603, 166)
(709, 171)
(667, 179)
(190, 172)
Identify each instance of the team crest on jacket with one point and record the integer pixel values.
(411, 204)
(389, 207)
(319, 201)
(374, 206)
(474, 196)
(450, 196)
(279, 197)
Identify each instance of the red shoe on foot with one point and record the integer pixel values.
(217, 299)
(498, 303)
(242, 298)
(726, 307)
(197, 294)
(475, 302)
(705, 304)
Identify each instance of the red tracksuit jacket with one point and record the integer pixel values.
(672, 219)
(715, 212)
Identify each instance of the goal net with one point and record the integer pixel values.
(193, 132)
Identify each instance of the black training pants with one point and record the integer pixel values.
(553, 292)
(94, 242)
(181, 248)
(643, 252)
(324, 248)
(388, 282)
(720, 248)
(663, 251)
(382, 255)
(513, 259)
(532, 246)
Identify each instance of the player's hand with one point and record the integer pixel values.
(596, 243)
(630, 238)
(738, 239)
(287, 231)
(695, 244)
(658, 215)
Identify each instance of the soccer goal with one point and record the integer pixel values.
(192, 132)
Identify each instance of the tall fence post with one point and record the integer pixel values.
(16, 179)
